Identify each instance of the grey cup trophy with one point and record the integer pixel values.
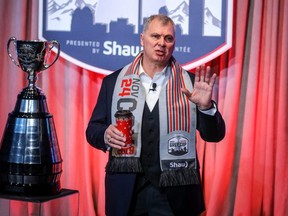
(30, 159)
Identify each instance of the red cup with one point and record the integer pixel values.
(124, 124)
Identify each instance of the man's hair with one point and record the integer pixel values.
(165, 20)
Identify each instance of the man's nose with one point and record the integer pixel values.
(162, 41)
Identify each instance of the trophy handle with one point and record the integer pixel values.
(51, 45)
(8, 50)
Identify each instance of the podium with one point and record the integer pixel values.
(62, 204)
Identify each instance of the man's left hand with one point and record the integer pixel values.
(203, 87)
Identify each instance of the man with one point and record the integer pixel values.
(159, 173)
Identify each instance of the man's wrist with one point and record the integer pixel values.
(211, 111)
(206, 107)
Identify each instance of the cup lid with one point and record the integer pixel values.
(123, 113)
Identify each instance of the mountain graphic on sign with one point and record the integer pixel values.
(180, 16)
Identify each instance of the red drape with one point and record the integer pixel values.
(245, 174)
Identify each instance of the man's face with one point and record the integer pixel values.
(158, 42)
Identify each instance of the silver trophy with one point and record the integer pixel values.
(30, 159)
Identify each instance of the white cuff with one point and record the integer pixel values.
(211, 111)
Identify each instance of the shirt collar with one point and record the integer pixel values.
(141, 71)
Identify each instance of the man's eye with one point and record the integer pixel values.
(169, 39)
(156, 36)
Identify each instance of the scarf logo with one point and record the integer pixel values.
(183, 164)
(178, 145)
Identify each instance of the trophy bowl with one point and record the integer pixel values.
(32, 56)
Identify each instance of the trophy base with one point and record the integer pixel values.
(30, 179)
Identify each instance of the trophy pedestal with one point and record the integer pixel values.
(64, 203)
(30, 159)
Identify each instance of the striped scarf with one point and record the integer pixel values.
(177, 116)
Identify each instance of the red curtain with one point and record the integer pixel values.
(245, 174)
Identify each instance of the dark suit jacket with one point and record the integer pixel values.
(184, 200)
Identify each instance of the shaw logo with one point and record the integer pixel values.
(178, 164)
(102, 38)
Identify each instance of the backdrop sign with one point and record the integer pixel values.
(103, 36)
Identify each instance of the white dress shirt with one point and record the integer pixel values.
(152, 95)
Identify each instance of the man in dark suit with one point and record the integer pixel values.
(157, 174)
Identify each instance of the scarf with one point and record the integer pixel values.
(177, 117)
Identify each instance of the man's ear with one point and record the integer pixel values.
(141, 39)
